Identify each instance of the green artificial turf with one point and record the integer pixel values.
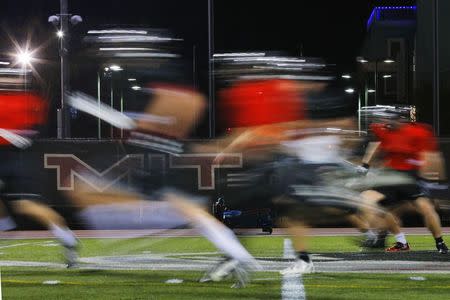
(47, 250)
(28, 282)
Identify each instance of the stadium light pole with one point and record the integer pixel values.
(211, 93)
(61, 21)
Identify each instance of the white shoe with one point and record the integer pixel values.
(71, 256)
(228, 268)
(299, 267)
(224, 270)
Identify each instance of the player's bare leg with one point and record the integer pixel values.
(432, 221)
(387, 221)
(6, 222)
(303, 264)
(53, 221)
(370, 233)
(221, 236)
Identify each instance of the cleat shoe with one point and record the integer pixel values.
(241, 277)
(380, 241)
(71, 256)
(442, 247)
(225, 269)
(205, 278)
(368, 243)
(398, 247)
(299, 267)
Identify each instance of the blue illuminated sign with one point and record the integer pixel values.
(375, 15)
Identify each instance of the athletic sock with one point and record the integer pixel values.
(401, 238)
(439, 240)
(7, 223)
(64, 234)
(223, 238)
(303, 256)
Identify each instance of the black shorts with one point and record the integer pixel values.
(256, 184)
(435, 189)
(17, 182)
(292, 188)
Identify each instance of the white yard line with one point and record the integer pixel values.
(292, 287)
(16, 245)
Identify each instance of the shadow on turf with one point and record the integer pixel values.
(381, 255)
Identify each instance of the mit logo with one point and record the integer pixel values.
(68, 167)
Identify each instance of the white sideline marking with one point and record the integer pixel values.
(292, 287)
(418, 278)
(176, 281)
(16, 245)
(51, 282)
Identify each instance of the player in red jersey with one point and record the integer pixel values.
(406, 148)
(21, 113)
(268, 113)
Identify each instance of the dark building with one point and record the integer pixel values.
(405, 60)
(387, 61)
(432, 92)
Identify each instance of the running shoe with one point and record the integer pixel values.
(398, 247)
(71, 256)
(442, 247)
(379, 242)
(228, 268)
(299, 267)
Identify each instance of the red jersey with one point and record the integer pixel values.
(21, 110)
(261, 102)
(403, 145)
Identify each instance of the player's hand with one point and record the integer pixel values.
(362, 170)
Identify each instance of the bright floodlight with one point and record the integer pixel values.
(24, 58)
(361, 60)
(389, 61)
(131, 79)
(387, 76)
(60, 33)
(371, 91)
(115, 68)
(350, 91)
(346, 76)
(136, 87)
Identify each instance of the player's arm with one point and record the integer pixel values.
(239, 141)
(372, 148)
(432, 161)
(245, 138)
(371, 151)
(433, 166)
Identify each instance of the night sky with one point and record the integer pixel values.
(330, 29)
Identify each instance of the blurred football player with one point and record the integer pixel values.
(408, 148)
(165, 115)
(22, 112)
